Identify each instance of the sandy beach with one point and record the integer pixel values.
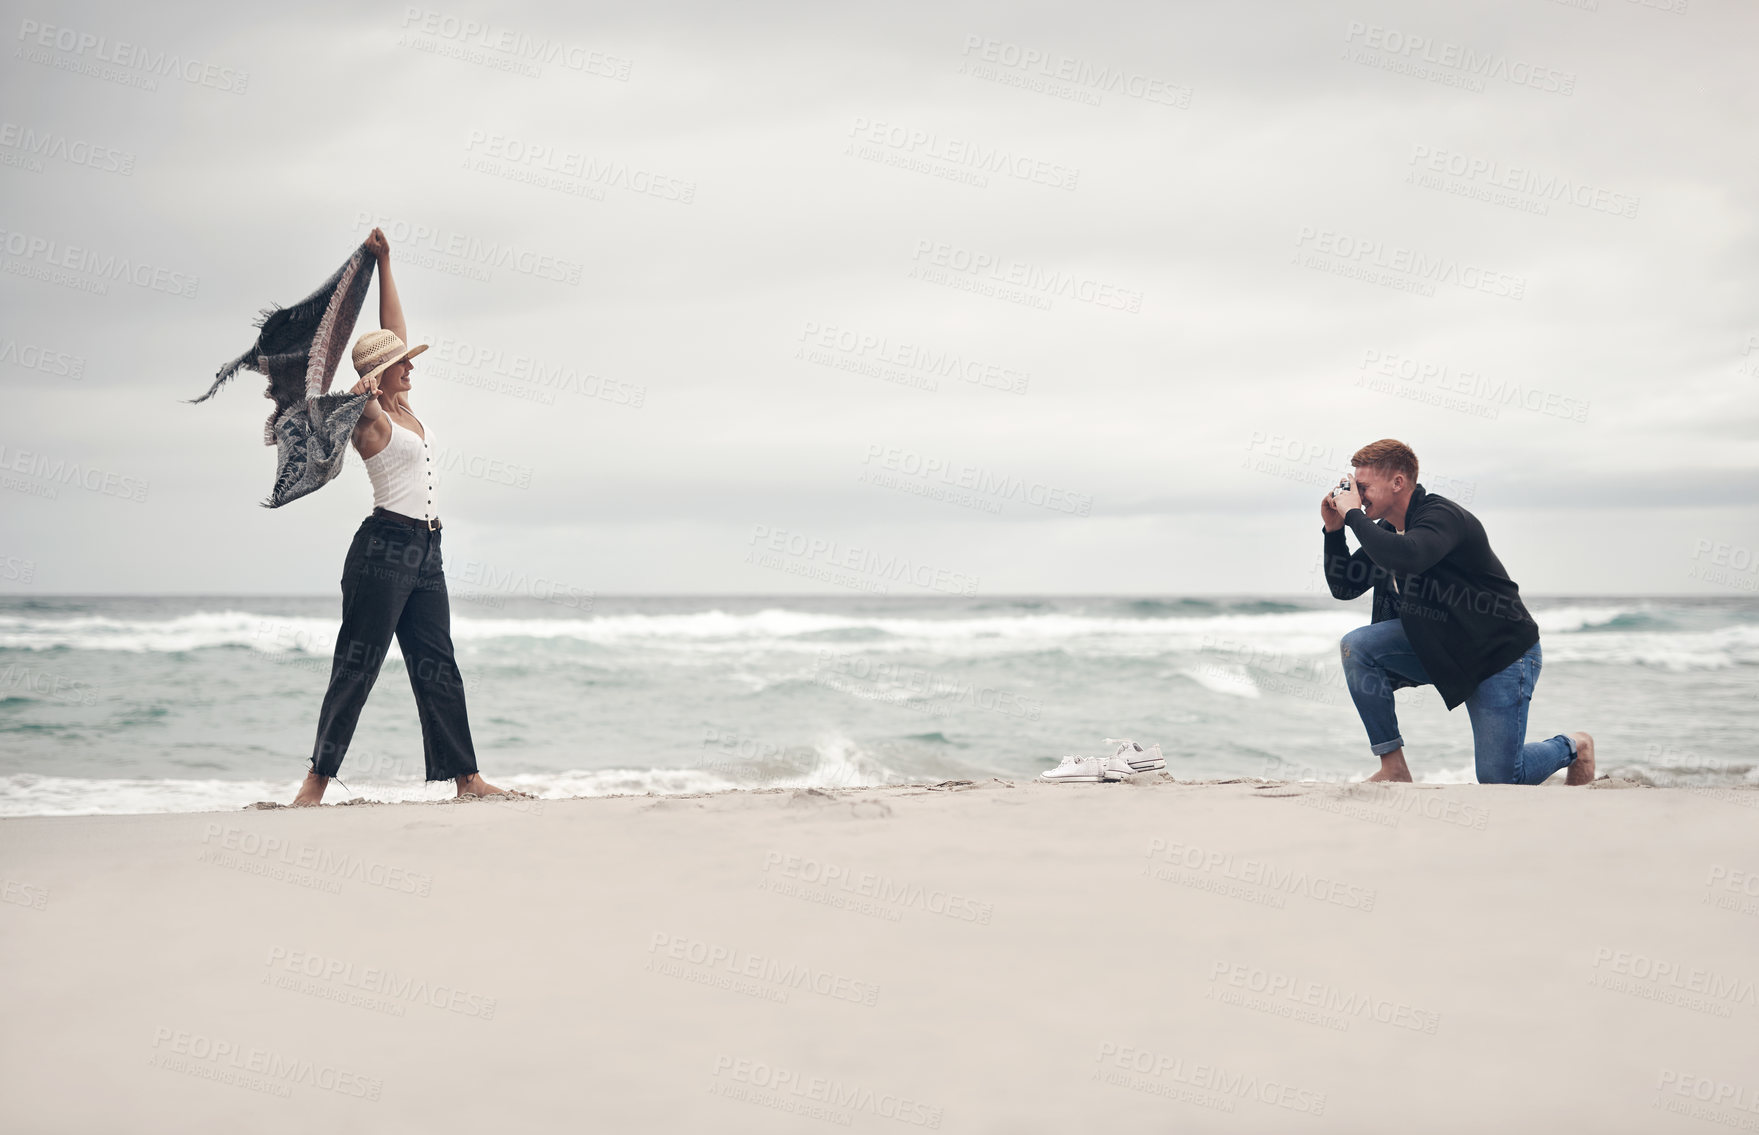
(757, 444)
(976, 956)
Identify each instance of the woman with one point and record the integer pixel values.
(393, 581)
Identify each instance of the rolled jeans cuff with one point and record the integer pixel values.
(1385, 747)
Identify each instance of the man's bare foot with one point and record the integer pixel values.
(312, 791)
(1392, 767)
(1581, 770)
(475, 785)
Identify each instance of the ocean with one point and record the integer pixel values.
(200, 703)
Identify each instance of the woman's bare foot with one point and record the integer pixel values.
(1392, 767)
(1581, 770)
(475, 785)
(312, 791)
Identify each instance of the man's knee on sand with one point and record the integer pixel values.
(1495, 772)
(1503, 772)
(1533, 763)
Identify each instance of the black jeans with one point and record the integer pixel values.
(393, 582)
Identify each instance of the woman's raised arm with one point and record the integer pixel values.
(390, 307)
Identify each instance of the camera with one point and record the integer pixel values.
(1343, 485)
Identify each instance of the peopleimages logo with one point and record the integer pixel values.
(1542, 187)
(472, 254)
(787, 1090)
(738, 962)
(128, 57)
(527, 376)
(1341, 1004)
(1081, 74)
(41, 250)
(229, 1061)
(599, 173)
(1415, 266)
(54, 686)
(28, 142)
(519, 584)
(881, 888)
(1494, 394)
(1028, 277)
(987, 482)
(1209, 1078)
(490, 469)
(18, 569)
(380, 982)
(1257, 872)
(322, 861)
(963, 153)
(1719, 1094)
(1405, 46)
(1677, 977)
(903, 360)
(60, 471)
(861, 561)
(46, 359)
(517, 46)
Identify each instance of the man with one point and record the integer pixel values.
(1445, 614)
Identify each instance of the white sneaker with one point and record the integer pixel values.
(1138, 758)
(1086, 770)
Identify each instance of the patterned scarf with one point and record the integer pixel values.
(298, 351)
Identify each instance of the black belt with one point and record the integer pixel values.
(425, 525)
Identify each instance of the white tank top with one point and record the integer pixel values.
(403, 473)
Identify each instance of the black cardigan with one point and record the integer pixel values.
(1461, 611)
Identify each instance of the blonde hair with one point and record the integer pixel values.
(1389, 457)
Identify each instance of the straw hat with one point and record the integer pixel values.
(377, 350)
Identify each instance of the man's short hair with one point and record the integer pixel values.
(1389, 457)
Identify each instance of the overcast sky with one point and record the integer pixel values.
(1045, 298)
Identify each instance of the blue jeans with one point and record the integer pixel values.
(1378, 659)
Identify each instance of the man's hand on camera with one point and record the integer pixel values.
(1329, 514)
(1346, 499)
